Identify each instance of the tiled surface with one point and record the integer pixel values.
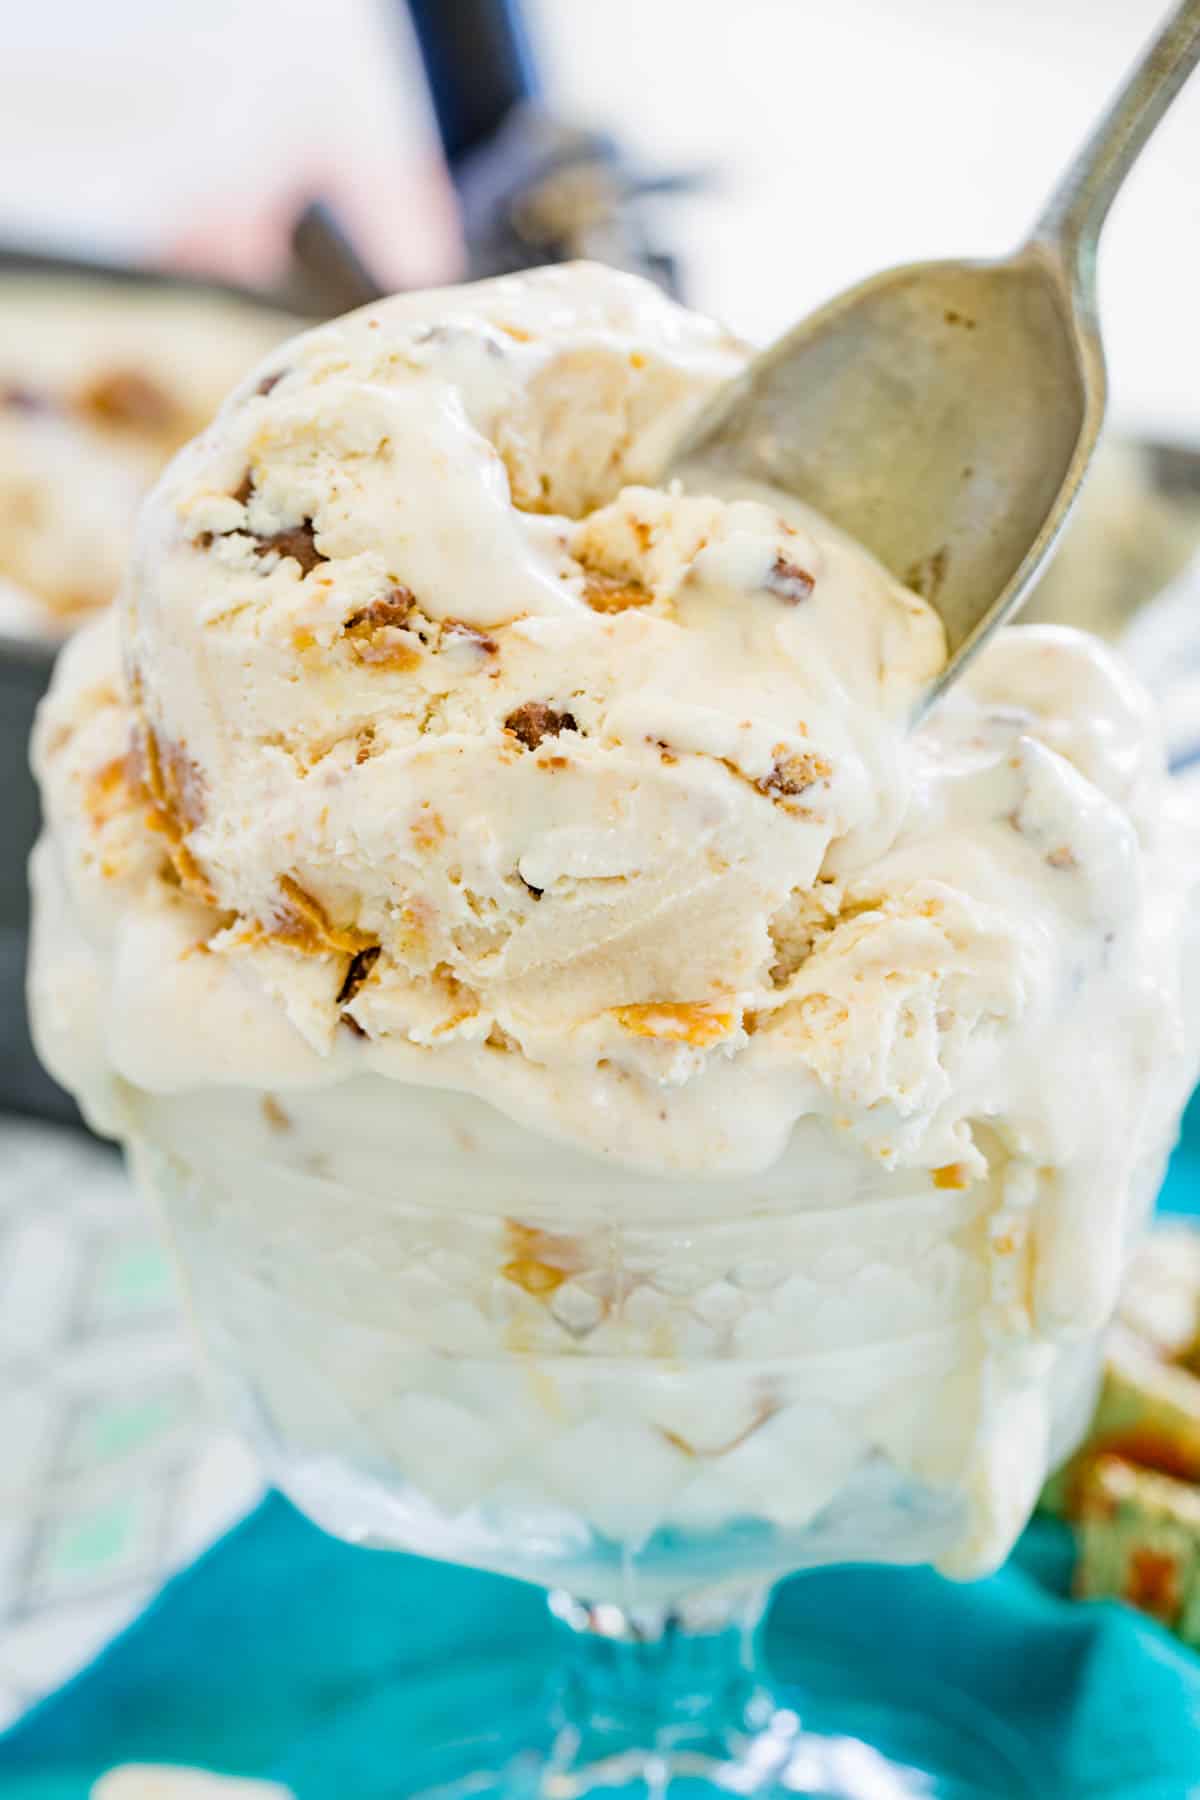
(112, 1472)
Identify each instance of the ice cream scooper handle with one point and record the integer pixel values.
(1072, 220)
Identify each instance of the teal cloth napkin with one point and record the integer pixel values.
(284, 1653)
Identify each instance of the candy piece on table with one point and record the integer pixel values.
(146, 1781)
(1140, 1542)
(1148, 1410)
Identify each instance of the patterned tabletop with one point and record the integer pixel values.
(114, 1471)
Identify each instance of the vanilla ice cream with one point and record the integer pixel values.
(622, 1099)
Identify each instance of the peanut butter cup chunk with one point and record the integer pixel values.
(296, 541)
(301, 921)
(357, 975)
(534, 721)
(795, 774)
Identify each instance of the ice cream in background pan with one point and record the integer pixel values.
(99, 383)
(623, 1099)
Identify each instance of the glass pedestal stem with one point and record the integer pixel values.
(656, 1692)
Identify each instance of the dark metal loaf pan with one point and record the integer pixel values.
(25, 667)
(24, 1084)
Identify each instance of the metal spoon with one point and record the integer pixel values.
(944, 413)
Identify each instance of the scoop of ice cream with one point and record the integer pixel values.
(99, 385)
(454, 729)
(439, 744)
(448, 745)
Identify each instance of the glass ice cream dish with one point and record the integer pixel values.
(630, 1114)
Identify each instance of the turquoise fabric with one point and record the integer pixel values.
(281, 1652)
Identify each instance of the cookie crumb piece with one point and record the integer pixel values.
(375, 631)
(393, 608)
(297, 541)
(358, 973)
(534, 721)
(615, 593)
(788, 581)
(471, 634)
(691, 1022)
(794, 774)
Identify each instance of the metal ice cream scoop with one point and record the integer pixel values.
(944, 413)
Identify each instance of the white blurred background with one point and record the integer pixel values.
(846, 137)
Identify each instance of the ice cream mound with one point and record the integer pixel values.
(442, 741)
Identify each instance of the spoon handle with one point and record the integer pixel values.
(1078, 207)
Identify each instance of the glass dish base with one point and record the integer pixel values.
(495, 1728)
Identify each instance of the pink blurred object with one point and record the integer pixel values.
(197, 131)
(403, 222)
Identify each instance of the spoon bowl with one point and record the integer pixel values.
(944, 414)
